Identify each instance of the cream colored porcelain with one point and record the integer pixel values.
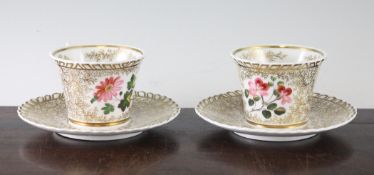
(49, 113)
(277, 81)
(225, 111)
(98, 81)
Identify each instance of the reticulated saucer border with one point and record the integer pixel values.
(75, 131)
(273, 132)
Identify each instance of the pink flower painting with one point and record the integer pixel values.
(108, 88)
(269, 97)
(258, 87)
(284, 94)
(111, 90)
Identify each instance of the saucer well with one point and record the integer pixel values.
(226, 111)
(148, 111)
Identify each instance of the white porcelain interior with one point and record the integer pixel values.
(97, 54)
(278, 54)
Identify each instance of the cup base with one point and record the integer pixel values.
(296, 125)
(99, 126)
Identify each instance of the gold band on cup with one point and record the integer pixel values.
(271, 46)
(99, 124)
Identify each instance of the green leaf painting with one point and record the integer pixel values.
(131, 83)
(93, 99)
(256, 98)
(125, 102)
(280, 111)
(246, 93)
(266, 113)
(251, 102)
(280, 83)
(108, 108)
(273, 78)
(272, 106)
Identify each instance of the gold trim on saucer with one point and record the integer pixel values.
(296, 125)
(99, 124)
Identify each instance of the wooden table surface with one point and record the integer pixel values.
(187, 145)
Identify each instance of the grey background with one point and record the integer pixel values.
(187, 43)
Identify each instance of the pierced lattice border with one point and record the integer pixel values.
(260, 131)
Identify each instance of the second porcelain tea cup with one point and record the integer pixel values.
(277, 82)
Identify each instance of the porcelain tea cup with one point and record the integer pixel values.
(98, 82)
(277, 82)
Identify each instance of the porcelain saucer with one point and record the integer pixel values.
(148, 111)
(226, 111)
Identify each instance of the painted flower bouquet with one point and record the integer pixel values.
(268, 97)
(111, 88)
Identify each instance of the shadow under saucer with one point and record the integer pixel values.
(275, 157)
(69, 156)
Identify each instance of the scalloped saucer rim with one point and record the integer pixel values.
(100, 135)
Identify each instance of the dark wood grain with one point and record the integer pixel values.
(187, 145)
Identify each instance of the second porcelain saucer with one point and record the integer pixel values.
(226, 111)
(148, 111)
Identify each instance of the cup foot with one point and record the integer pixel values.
(100, 137)
(275, 138)
(99, 126)
(296, 125)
